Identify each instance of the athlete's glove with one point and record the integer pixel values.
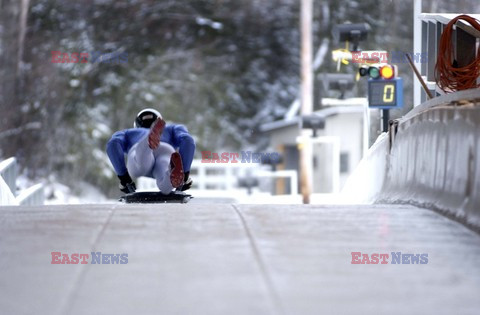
(126, 184)
(187, 182)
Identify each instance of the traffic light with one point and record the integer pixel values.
(385, 89)
(363, 71)
(387, 72)
(379, 71)
(374, 72)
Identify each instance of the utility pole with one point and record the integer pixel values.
(306, 97)
(417, 46)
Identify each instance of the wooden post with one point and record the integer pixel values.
(306, 96)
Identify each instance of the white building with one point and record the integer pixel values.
(336, 149)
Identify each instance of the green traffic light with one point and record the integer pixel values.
(373, 72)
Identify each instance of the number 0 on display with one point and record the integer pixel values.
(388, 91)
(385, 94)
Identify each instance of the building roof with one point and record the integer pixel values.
(333, 107)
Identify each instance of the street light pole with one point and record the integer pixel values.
(417, 47)
(306, 97)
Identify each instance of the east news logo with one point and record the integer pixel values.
(397, 258)
(97, 258)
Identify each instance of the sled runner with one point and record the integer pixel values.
(156, 197)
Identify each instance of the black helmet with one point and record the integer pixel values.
(146, 117)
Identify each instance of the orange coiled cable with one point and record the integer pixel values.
(448, 75)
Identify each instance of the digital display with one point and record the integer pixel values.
(385, 94)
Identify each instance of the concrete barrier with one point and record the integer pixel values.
(365, 183)
(430, 158)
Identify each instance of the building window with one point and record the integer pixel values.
(344, 162)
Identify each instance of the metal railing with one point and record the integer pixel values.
(8, 170)
(31, 196)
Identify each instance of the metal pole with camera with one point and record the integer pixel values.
(385, 90)
(351, 33)
(354, 33)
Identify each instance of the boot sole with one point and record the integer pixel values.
(155, 133)
(176, 175)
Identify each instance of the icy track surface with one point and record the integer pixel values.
(236, 259)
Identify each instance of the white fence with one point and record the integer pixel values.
(8, 188)
(228, 176)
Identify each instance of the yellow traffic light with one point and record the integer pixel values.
(387, 72)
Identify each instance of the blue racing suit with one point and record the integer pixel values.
(176, 135)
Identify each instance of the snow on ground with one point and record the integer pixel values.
(57, 193)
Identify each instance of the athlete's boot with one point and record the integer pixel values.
(155, 132)
(176, 170)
